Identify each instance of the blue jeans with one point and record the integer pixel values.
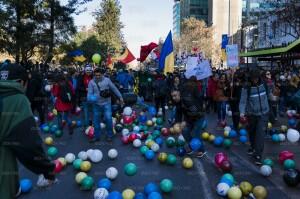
(193, 129)
(97, 111)
(221, 107)
(282, 105)
(87, 108)
(63, 116)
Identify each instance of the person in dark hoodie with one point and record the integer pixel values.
(160, 92)
(254, 104)
(19, 135)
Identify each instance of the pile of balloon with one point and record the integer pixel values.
(227, 187)
(291, 175)
(223, 163)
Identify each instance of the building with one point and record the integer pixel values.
(176, 19)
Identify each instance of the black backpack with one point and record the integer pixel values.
(66, 94)
(191, 104)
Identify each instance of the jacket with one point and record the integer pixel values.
(59, 105)
(257, 103)
(104, 83)
(211, 87)
(19, 139)
(220, 92)
(82, 87)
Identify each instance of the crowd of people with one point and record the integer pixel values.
(254, 95)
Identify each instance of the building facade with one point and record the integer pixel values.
(176, 19)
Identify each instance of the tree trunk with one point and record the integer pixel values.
(51, 42)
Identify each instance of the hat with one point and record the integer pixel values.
(88, 69)
(12, 72)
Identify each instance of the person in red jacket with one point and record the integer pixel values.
(63, 92)
(211, 91)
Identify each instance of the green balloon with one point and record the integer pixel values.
(150, 137)
(228, 176)
(227, 143)
(159, 121)
(268, 162)
(77, 163)
(166, 185)
(180, 142)
(170, 142)
(87, 183)
(149, 79)
(58, 133)
(156, 133)
(289, 164)
(144, 149)
(96, 58)
(130, 169)
(52, 151)
(171, 159)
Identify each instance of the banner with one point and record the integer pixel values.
(232, 55)
(200, 69)
(224, 41)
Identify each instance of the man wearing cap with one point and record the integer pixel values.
(19, 135)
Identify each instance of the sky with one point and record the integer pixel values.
(145, 21)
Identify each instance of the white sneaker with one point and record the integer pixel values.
(43, 182)
(19, 192)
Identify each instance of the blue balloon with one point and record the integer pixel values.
(104, 183)
(218, 141)
(181, 151)
(26, 185)
(159, 141)
(149, 155)
(92, 98)
(195, 144)
(53, 128)
(204, 124)
(142, 118)
(155, 195)
(243, 139)
(275, 138)
(232, 133)
(152, 110)
(114, 195)
(227, 181)
(139, 196)
(292, 122)
(78, 123)
(243, 132)
(273, 131)
(151, 187)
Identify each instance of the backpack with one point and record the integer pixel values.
(66, 94)
(191, 105)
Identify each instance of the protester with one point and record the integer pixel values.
(160, 88)
(211, 91)
(19, 135)
(221, 99)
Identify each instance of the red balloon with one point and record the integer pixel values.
(133, 115)
(226, 166)
(58, 166)
(132, 137)
(125, 140)
(284, 155)
(165, 132)
(127, 119)
(219, 158)
(243, 120)
(91, 133)
(50, 116)
(143, 135)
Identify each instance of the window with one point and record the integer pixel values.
(265, 31)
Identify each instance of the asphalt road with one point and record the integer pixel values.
(197, 183)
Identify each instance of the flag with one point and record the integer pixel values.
(166, 60)
(80, 58)
(77, 55)
(146, 50)
(109, 62)
(126, 57)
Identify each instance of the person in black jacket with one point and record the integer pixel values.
(160, 92)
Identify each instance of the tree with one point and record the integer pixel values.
(108, 26)
(196, 34)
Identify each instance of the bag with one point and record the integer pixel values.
(66, 94)
(191, 106)
(129, 99)
(104, 93)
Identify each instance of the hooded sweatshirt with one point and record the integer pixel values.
(19, 139)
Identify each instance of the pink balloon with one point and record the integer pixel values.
(284, 155)
(219, 158)
(127, 119)
(91, 133)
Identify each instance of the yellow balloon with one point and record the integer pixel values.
(226, 133)
(269, 125)
(205, 136)
(260, 192)
(85, 166)
(80, 176)
(54, 111)
(128, 194)
(62, 161)
(150, 143)
(234, 193)
(211, 138)
(187, 163)
(149, 123)
(48, 140)
(246, 188)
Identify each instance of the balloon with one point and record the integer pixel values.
(130, 169)
(266, 170)
(218, 141)
(144, 149)
(127, 111)
(70, 157)
(227, 128)
(170, 142)
(289, 164)
(77, 163)
(152, 110)
(139, 196)
(80, 176)
(222, 189)
(226, 166)
(281, 137)
(187, 163)
(284, 155)
(181, 151)
(149, 155)
(96, 156)
(115, 195)
(275, 138)
(132, 137)
(219, 158)
(155, 147)
(62, 160)
(159, 141)
(162, 157)
(234, 193)
(82, 155)
(195, 144)
(165, 132)
(111, 173)
(243, 139)
(87, 183)
(171, 159)
(205, 136)
(85, 166)
(154, 195)
(125, 132)
(104, 183)
(227, 177)
(268, 162)
(291, 177)
(293, 135)
(243, 132)
(50, 116)
(118, 128)
(52, 151)
(49, 141)
(112, 153)
(125, 139)
(96, 58)
(100, 193)
(292, 122)
(128, 194)
(260, 192)
(227, 143)
(137, 143)
(151, 187)
(166, 185)
(25, 185)
(246, 188)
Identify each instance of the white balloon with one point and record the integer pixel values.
(78, 109)
(125, 132)
(227, 128)
(112, 153)
(137, 143)
(102, 125)
(127, 111)
(111, 173)
(48, 88)
(154, 119)
(155, 147)
(96, 156)
(100, 193)
(121, 121)
(281, 137)
(166, 107)
(82, 155)
(294, 112)
(266, 170)
(293, 135)
(70, 157)
(136, 128)
(222, 189)
(89, 152)
(36, 119)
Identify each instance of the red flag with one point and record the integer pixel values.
(146, 50)
(126, 57)
(109, 61)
